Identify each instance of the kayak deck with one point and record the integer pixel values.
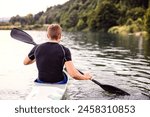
(46, 91)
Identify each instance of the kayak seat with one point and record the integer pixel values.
(64, 81)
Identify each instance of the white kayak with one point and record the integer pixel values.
(46, 91)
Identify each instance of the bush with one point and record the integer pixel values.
(135, 13)
(107, 16)
(37, 26)
(114, 30)
(147, 21)
(81, 25)
(139, 22)
(129, 22)
(133, 28)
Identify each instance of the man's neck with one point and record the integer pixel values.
(54, 41)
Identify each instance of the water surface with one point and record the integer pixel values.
(121, 61)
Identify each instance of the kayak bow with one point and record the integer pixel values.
(47, 91)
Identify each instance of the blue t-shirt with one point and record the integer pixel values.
(50, 58)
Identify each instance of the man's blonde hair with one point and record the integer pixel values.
(54, 31)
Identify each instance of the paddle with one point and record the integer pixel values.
(25, 37)
(22, 36)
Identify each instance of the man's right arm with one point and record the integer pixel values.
(74, 73)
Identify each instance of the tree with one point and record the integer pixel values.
(147, 20)
(29, 19)
(136, 3)
(71, 20)
(15, 19)
(135, 13)
(42, 20)
(81, 24)
(37, 16)
(107, 16)
(12, 20)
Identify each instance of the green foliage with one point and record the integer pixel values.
(29, 19)
(140, 23)
(81, 24)
(107, 16)
(92, 15)
(135, 13)
(37, 26)
(129, 22)
(92, 21)
(4, 23)
(133, 28)
(135, 3)
(37, 16)
(147, 20)
(42, 20)
(73, 19)
(15, 19)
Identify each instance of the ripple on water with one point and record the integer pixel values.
(111, 62)
(9, 94)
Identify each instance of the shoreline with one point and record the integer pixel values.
(44, 27)
(26, 27)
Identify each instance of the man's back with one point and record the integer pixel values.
(50, 60)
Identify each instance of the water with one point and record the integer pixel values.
(120, 61)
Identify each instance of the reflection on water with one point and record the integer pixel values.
(121, 61)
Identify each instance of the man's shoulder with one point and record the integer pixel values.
(65, 48)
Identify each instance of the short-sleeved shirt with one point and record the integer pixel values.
(50, 58)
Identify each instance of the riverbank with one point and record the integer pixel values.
(120, 30)
(25, 27)
(128, 30)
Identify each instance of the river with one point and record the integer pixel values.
(121, 61)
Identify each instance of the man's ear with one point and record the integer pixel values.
(59, 37)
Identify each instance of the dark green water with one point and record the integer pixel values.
(121, 61)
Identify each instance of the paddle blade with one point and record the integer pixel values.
(111, 89)
(21, 36)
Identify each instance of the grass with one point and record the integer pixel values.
(8, 27)
(25, 27)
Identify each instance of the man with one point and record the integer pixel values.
(51, 57)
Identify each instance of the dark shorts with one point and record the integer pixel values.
(64, 81)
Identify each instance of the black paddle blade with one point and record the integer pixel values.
(21, 36)
(111, 89)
